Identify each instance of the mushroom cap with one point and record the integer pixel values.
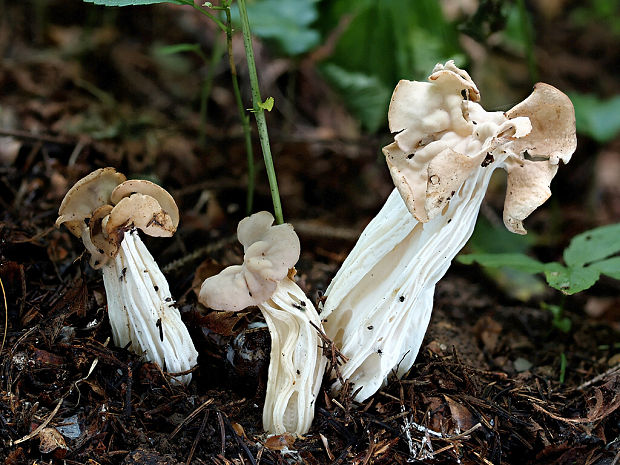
(88, 194)
(444, 136)
(418, 109)
(552, 115)
(139, 211)
(142, 186)
(99, 237)
(270, 251)
(553, 138)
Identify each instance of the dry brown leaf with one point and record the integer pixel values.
(280, 441)
(205, 270)
(52, 441)
(461, 415)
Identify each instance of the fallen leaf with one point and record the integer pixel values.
(52, 441)
(461, 415)
(280, 441)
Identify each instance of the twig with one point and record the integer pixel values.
(613, 370)
(41, 426)
(326, 445)
(18, 134)
(239, 442)
(196, 254)
(222, 433)
(190, 417)
(331, 352)
(6, 316)
(195, 443)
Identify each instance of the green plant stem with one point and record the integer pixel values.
(259, 114)
(245, 118)
(563, 363)
(529, 40)
(207, 84)
(206, 13)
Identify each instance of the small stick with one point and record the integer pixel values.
(200, 431)
(36, 137)
(222, 433)
(41, 426)
(190, 417)
(596, 379)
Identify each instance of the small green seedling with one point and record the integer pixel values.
(559, 321)
(588, 255)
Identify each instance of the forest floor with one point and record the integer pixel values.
(495, 381)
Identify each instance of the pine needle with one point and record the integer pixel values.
(6, 316)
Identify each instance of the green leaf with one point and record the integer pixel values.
(517, 261)
(365, 96)
(489, 238)
(177, 48)
(285, 22)
(267, 104)
(597, 118)
(131, 2)
(390, 39)
(570, 280)
(593, 245)
(610, 267)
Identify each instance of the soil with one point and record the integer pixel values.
(495, 381)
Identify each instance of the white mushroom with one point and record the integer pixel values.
(296, 363)
(140, 308)
(379, 303)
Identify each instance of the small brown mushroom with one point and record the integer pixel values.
(139, 211)
(88, 194)
(142, 186)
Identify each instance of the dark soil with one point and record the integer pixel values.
(495, 381)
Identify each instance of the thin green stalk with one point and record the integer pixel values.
(207, 84)
(206, 13)
(259, 114)
(245, 118)
(563, 363)
(526, 29)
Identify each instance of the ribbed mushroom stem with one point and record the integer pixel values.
(142, 312)
(297, 363)
(379, 303)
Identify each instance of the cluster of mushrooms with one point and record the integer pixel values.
(378, 305)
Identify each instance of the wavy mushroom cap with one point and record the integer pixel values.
(553, 138)
(114, 205)
(418, 109)
(142, 212)
(270, 251)
(444, 136)
(148, 188)
(86, 196)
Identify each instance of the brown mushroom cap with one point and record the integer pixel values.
(142, 186)
(88, 194)
(553, 138)
(98, 236)
(552, 115)
(139, 211)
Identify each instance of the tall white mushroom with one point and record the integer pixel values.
(447, 146)
(140, 307)
(296, 363)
